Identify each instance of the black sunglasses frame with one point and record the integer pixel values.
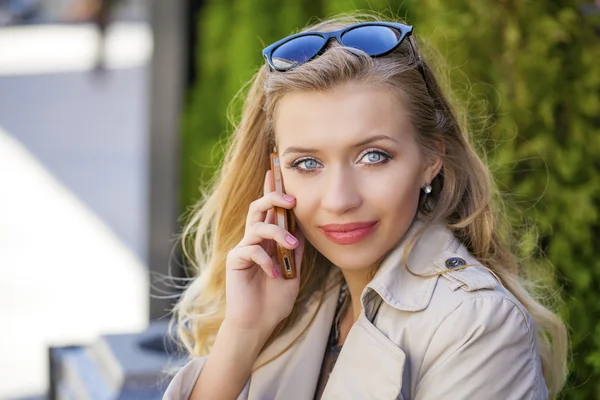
(405, 31)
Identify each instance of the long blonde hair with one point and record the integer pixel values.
(463, 193)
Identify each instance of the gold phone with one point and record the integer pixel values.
(284, 218)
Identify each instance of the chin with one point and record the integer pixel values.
(351, 258)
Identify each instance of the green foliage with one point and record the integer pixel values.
(528, 73)
(537, 66)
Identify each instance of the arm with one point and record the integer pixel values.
(225, 373)
(257, 299)
(485, 349)
(229, 365)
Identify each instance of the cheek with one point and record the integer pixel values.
(395, 189)
(302, 190)
(307, 199)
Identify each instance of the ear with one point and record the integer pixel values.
(433, 165)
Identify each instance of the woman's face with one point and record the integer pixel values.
(349, 156)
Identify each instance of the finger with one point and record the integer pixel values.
(262, 231)
(270, 219)
(244, 257)
(257, 212)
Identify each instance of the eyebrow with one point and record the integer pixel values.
(297, 149)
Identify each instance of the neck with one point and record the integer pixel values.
(357, 281)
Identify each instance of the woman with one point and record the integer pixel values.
(406, 288)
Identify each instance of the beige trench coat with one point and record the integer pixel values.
(460, 335)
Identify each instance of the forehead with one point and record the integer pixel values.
(339, 117)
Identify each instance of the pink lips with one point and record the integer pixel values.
(348, 233)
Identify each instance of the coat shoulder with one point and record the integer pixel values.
(463, 279)
(464, 291)
(470, 320)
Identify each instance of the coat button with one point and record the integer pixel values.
(455, 262)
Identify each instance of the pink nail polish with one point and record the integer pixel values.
(290, 239)
(289, 198)
(275, 272)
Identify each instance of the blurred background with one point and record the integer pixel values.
(110, 116)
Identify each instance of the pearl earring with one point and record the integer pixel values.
(427, 189)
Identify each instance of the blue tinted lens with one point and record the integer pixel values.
(297, 51)
(373, 40)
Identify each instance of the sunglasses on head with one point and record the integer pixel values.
(374, 38)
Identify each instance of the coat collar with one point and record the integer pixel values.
(395, 284)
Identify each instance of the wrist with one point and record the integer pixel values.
(250, 340)
(230, 362)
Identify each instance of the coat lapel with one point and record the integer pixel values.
(295, 373)
(369, 366)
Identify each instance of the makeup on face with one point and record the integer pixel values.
(349, 233)
(354, 168)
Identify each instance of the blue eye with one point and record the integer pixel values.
(305, 164)
(310, 164)
(368, 157)
(374, 157)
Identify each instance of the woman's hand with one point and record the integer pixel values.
(258, 298)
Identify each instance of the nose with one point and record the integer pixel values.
(341, 193)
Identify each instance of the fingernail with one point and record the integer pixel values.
(275, 273)
(290, 239)
(289, 198)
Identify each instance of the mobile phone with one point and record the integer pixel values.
(284, 219)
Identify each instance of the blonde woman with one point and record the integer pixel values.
(406, 289)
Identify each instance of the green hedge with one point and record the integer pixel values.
(529, 73)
